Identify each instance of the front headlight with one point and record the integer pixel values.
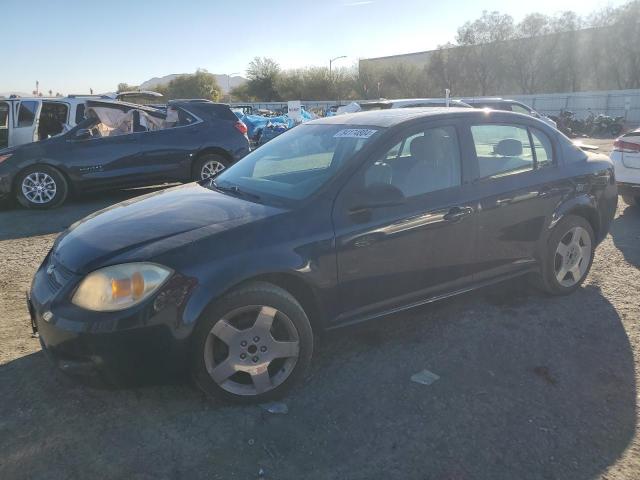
(119, 286)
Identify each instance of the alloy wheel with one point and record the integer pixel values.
(39, 187)
(572, 257)
(211, 169)
(251, 350)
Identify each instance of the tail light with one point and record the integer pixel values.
(241, 127)
(622, 146)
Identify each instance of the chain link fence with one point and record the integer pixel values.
(622, 103)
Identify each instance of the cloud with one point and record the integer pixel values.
(357, 4)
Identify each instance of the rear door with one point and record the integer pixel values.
(26, 118)
(518, 188)
(398, 254)
(167, 154)
(5, 117)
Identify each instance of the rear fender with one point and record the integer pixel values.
(584, 205)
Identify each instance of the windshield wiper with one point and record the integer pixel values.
(236, 190)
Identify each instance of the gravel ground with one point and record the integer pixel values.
(530, 387)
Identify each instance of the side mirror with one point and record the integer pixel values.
(377, 195)
(82, 134)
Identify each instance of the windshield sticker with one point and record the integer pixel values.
(355, 133)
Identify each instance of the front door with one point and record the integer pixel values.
(26, 118)
(391, 256)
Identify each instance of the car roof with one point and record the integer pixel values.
(489, 99)
(396, 116)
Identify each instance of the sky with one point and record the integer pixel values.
(70, 46)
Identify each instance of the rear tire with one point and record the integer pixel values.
(252, 345)
(209, 165)
(40, 187)
(569, 256)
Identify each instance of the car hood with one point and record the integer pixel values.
(142, 227)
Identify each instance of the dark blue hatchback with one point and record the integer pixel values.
(337, 221)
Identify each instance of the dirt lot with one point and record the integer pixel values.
(530, 387)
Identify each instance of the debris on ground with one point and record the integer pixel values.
(425, 377)
(544, 373)
(275, 407)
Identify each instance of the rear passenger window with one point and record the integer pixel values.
(542, 148)
(27, 113)
(502, 150)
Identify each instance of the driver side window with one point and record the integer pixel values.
(421, 162)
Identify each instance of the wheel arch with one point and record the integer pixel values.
(583, 206)
(300, 288)
(207, 151)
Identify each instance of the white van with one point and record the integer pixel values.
(29, 119)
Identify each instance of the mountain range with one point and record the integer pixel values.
(223, 80)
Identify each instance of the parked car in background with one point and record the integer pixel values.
(509, 106)
(339, 220)
(626, 159)
(29, 119)
(123, 145)
(411, 103)
(25, 120)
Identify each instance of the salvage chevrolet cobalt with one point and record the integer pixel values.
(336, 221)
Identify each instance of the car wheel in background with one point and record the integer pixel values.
(633, 200)
(569, 256)
(252, 345)
(41, 186)
(208, 166)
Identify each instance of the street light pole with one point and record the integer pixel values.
(229, 83)
(333, 60)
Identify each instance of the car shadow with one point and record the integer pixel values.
(18, 222)
(625, 234)
(529, 387)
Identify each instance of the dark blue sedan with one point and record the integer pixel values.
(121, 145)
(337, 221)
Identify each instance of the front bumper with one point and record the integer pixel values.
(145, 344)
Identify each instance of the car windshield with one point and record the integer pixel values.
(297, 163)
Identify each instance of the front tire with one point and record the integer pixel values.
(569, 256)
(209, 165)
(252, 345)
(41, 186)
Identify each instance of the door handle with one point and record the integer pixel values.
(456, 214)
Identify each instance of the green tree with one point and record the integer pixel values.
(263, 74)
(201, 84)
(125, 87)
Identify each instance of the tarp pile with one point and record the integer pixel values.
(262, 129)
